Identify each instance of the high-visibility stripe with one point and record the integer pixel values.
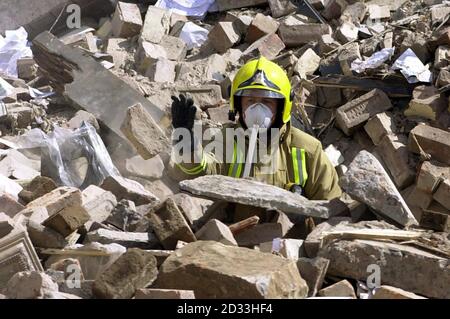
(195, 170)
(304, 171)
(299, 165)
(235, 168)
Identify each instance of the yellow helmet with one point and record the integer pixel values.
(264, 76)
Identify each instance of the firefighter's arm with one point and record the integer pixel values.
(322, 183)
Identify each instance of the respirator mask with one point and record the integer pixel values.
(259, 115)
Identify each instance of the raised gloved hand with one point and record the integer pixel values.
(183, 112)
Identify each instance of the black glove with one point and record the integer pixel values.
(183, 112)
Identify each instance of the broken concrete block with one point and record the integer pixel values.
(297, 33)
(219, 114)
(6, 225)
(147, 54)
(45, 237)
(26, 68)
(84, 290)
(340, 289)
(156, 24)
(216, 231)
(125, 239)
(313, 270)
(441, 56)
(378, 12)
(163, 70)
(261, 25)
(164, 294)
(280, 8)
(255, 194)
(268, 46)
(68, 266)
(354, 13)
(98, 203)
(398, 263)
(367, 176)
(29, 285)
(225, 5)
(347, 55)
(10, 187)
(106, 91)
(427, 102)
(433, 141)
(175, 47)
(395, 155)
(144, 133)
(191, 207)
(170, 226)
(430, 175)
(15, 165)
(389, 292)
(9, 205)
(419, 198)
(17, 254)
(379, 126)
(265, 232)
(222, 271)
(443, 78)
(307, 63)
(67, 220)
(124, 216)
(223, 36)
(205, 96)
(152, 168)
(334, 155)
(116, 47)
(288, 248)
(124, 188)
(127, 20)
(442, 195)
(133, 270)
(83, 116)
(347, 32)
(352, 115)
(334, 9)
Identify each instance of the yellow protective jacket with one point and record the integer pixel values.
(300, 160)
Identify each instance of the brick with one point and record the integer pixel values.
(162, 71)
(176, 48)
(9, 205)
(205, 96)
(281, 8)
(26, 68)
(68, 220)
(307, 63)
(116, 47)
(299, 33)
(164, 294)
(379, 126)
(127, 20)
(192, 208)
(268, 46)
(261, 25)
(347, 32)
(436, 217)
(433, 141)
(225, 5)
(156, 24)
(144, 133)
(352, 115)
(98, 202)
(124, 188)
(141, 240)
(45, 237)
(170, 226)
(427, 102)
(395, 155)
(133, 270)
(342, 288)
(148, 54)
(430, 174)
(346, 56)
(378, 12)
(217, 231)
(223, 36)
(442, 194)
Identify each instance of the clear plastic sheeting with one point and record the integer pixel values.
(412, 68)
(71, 158)
(5, 89)
(375, 60)
(12, 48)
(190, 8)
(193, 35)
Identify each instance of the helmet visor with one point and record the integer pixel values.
(260, 93)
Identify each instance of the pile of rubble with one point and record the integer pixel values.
(89, 217)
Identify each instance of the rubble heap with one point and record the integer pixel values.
(89, 207)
